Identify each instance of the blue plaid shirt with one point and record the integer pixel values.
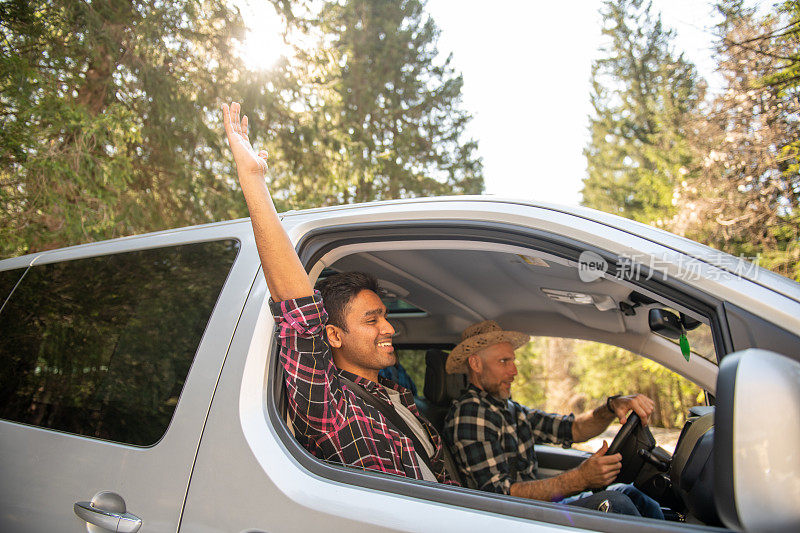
(492, 440)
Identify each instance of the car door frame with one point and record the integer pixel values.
(545, 240)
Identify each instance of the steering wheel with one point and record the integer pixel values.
(629, 440)
(624, 435)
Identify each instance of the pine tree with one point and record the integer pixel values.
(108, 118)
(787, 35)
(745, 196)
(641, 94)
(378, 113)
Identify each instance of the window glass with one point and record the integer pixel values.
(9, 278)
(101, 346)
(573, 376)
(413, 363)
(701, 341)
(395, 307)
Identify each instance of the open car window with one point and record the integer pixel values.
(437, 286)
(574, 376)
(436, 293)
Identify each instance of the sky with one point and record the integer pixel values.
(526, 68)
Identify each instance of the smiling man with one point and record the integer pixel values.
(493, 437)
(332, 343)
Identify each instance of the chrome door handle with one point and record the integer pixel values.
(118, 522)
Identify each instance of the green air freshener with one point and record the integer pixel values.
(685, 350)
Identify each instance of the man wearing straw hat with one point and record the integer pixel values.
(493, 437)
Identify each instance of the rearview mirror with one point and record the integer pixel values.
(664, 323)
(756, 452)
(689, 323)
(669, 324)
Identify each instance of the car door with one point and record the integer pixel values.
(110, 354)
(677, 271)
(252, 475)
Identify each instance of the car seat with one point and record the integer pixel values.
(692, 466)
(440, 390)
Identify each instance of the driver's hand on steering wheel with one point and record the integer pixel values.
(638, 403)
(600, 470)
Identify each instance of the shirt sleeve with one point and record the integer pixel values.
(549, 428)
(312, 385)
(474, 434)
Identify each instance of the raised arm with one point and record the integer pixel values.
(285, 275)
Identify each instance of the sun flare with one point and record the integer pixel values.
(263, 44)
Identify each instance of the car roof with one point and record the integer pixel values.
(724, 261)
(682, 245)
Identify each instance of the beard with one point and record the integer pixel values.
(497, 389)
(365, 355)
(373, 360)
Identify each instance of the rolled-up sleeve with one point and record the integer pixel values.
(312, 384)
(550, 428)
(304, 317)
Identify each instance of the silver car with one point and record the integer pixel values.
(140, 390)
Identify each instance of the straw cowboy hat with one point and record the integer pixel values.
(477, 337)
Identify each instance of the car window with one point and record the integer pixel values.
(101, 346)
(701, 341)
(573, 376)
(413, 361)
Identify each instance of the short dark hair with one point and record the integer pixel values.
(338, 290)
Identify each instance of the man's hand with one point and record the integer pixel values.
(638, 403)
(600, 470)
(248, 162)
(285, 275)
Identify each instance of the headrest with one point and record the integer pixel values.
(440, 387)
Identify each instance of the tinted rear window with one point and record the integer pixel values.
(101, 346)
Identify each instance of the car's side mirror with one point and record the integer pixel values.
(756, 451)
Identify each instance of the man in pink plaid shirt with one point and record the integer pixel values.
(332, 346)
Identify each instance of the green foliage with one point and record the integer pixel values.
(787, 77)
(744, 197)
(641, 95)
(529, 386)
(377, 117)
(785, 256)
(107, 118)
(723, 171)
(109, 121)
(604, 370)
(595, 371)
(414, 363)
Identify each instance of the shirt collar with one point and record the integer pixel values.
(371, 386)
(355, 378)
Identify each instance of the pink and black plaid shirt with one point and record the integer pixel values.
(331, 421)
